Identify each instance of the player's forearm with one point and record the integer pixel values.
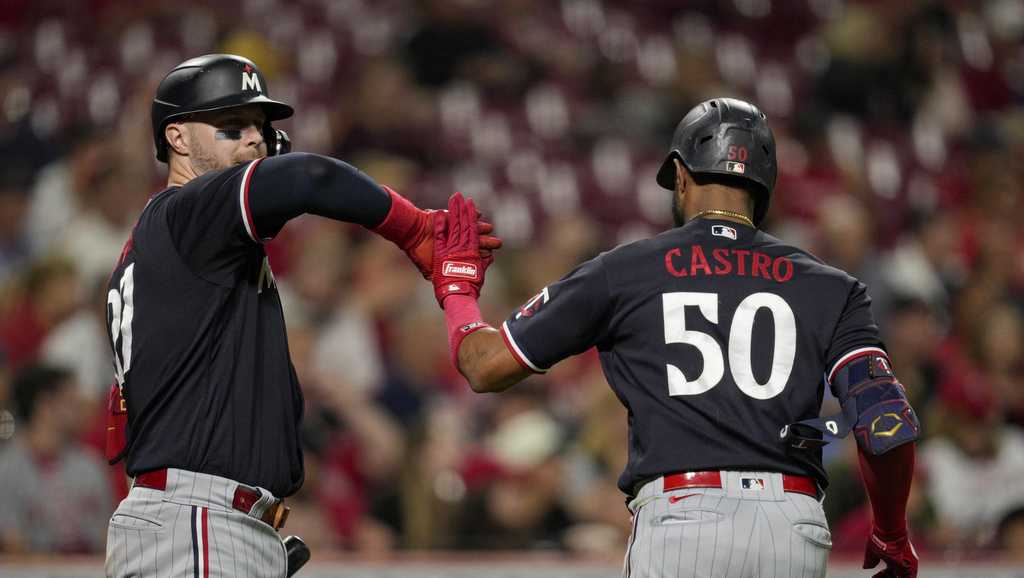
(485, 362)
(887, 478)
(287, 186)
(477, 349)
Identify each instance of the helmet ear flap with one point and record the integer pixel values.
(278, 142)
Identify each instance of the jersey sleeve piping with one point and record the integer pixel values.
(852, 355)
(243, 202)
(517, 353)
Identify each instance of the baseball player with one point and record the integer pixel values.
(717, 338)
(206, 405)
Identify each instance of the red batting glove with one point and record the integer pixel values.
(412, 229)
(895, 550)
(458, 265)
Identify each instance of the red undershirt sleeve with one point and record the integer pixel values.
(887, 478)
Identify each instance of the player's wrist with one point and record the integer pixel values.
(462, 317)
(405, 224)
(449, 288)
(889, 535)
(457, 302)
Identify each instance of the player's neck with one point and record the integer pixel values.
(724, 215)
(179, 172)
(717, 202)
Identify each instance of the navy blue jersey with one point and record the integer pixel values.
(198, 333)
(713, 335)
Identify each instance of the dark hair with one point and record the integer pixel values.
(35, 381)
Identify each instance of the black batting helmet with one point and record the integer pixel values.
(729, 137)
(215, 82)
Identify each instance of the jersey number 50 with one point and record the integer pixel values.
(740, 334)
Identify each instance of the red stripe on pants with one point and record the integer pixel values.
(206, 546)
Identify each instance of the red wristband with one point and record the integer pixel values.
(404, 222)
(462, 315)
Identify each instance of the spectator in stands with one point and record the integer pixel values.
(54, 495)
(414, 346)
(437, 475)
(359, 466)
(450, 38)
(15, 249)
(913, 333)
(998, 356)
(109, 205)
(522, 508)
(355, 449)
(349, 343)
(386, 117)
(48, 293)
(79, 343)
(973, 463)
(847, 233)
(924, 265)
(594, 461)
(56, 194)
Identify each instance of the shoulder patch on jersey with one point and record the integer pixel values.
(534, 304)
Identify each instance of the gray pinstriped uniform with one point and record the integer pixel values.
(727, 532)
(191, 530)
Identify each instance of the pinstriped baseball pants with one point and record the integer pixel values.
(190, 530)
(749, 529)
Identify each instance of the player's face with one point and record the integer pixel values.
(225, 138)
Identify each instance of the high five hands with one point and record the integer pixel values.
(462, 250)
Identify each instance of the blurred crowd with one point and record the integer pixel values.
(901, 139)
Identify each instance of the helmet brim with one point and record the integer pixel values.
(273, 109)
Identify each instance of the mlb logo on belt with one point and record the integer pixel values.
(752, 483)
(459, 269)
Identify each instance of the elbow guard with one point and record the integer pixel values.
(875, 408)
(884, 417)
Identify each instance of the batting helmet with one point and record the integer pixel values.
(728, 137)
(215, 82)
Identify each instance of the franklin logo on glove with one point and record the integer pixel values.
(457, 269)
(459, 265)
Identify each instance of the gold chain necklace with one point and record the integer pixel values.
(725, 213)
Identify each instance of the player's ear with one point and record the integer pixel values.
(177, 138)
(680, 176)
